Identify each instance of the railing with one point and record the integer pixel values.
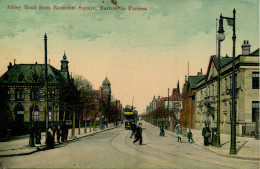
(248, 129)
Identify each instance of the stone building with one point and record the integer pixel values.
(25, 85)
(247, 93)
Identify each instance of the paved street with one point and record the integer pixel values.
(114, 149)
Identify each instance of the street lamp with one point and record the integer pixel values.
(220, 38)
(231, 22)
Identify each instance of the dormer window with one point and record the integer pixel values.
(35, 77)
(21, 77)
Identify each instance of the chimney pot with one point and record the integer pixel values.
(246, 48)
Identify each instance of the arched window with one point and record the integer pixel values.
(19, 112)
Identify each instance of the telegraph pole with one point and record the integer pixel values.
(46, 87)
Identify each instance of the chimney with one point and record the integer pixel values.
(246, 48)
(10, 66)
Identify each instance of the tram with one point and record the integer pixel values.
(130, 117)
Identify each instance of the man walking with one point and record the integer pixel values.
(190, 139)
(206, 135)
(139, 134)
(133, 128)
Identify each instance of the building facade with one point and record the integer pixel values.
(247, 93)
(25, 85)
(187, 114)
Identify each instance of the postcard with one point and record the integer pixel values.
(129, 84)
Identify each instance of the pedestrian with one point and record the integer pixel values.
(190, 139)
(179, 132)
(62, 132)
(38, 139)
(162, 131)
(206, 135)
(133, 128)
(138, 134)
(54, 132)
(66, 132)
(58, 134)
(49, 139)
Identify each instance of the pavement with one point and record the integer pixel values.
(18, 146)
(247, 147)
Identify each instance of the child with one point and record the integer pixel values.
(190, 136)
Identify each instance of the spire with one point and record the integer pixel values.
(64, 56)
(178, 86)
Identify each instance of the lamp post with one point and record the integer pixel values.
(231, 22)
(166, 119)
(220, 38)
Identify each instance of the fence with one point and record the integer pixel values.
(248, 129)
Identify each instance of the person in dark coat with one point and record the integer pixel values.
(138, 134)
(49, 139)
(54, 132)
(38, 138)
(58, 134)
(133, 128)
(189, 135)
(206, 135)
(66, 133)
(162, 131)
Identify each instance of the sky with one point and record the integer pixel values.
(143, 53)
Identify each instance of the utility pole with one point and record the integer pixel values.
(233, 149)
(46, 88)
(167, 111)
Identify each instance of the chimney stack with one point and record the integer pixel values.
(10, 66)
(246, 48)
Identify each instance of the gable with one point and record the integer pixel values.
(212, 72)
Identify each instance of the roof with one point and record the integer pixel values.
(255, 53)
(223, 60)
(106, 82)
(31, 73)
(193, 80)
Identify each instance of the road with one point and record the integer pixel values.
(114, 149)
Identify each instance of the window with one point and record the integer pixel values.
(255, 80)
(34, 95)
(226, 85)
(21, 77)
(230, 82)
(20, 112)
(50, 118)
(36, 116)
(19, 94)
(212, 89)
(255, 109)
